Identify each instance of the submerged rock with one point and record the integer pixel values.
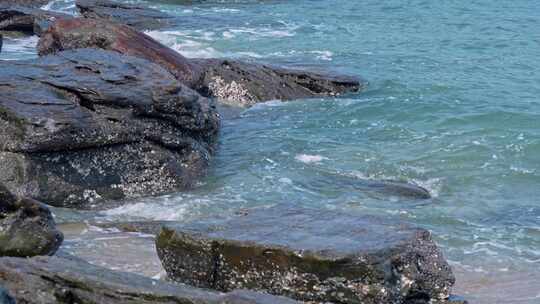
(308, 255)
(27, 20)
(137, 16)
(89, 126)
(27, 227)
(234, 82)
(51, 280)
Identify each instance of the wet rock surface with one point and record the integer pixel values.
(90, 126)
(16, 19)
(82, 32)
(137, 16)
(48, 280)
(245, 84)
(286, 251)
(27, 227)
(233, 82)
(25, 3)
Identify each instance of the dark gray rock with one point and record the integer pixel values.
(90, 126)
(245, 84)
(27, 227)
(25, 3)
(232, 82)
(309, 255)
(52, 280)
(137, 16)
(27, 20)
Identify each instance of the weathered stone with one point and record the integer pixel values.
(231, 82)
(309, 255)
(137, 16)
(28, 20)
(245, 84)
(90, 126)
(27, 227)
(25, 3)
(52, 280)
(81, 33)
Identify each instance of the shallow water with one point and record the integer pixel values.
(453, 105)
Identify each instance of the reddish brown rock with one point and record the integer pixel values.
(82, 33)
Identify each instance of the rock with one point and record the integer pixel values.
(89, 126)
(51, 280)
(233, 82)
(137, 16)
(343, 182)
(1, 42)
(25, 3)
(81, 33)
(28, 20)
(245, 84)
(27, 227)
(308, 255)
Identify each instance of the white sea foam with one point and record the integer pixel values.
(185, 44)
(308, 159)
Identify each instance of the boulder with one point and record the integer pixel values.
(308, 255)
(27, 20)
(235, 82)
(52, 280)
(245, 84)
(27, 227)
(89, 126)
(83, 33)
(136, 16)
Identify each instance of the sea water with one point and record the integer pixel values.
(453, 105)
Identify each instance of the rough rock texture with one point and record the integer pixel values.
(28, 20)
(89, 126)
(25, 3)
(27, 227)
(137, 16)
(53, 280)
(81, 33)
(5, 297)
(245, 84)
(233, 82)
(308, 255)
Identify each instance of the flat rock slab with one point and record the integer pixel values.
(90, 126)
(52, 280)
(309, 255)
(137, 16)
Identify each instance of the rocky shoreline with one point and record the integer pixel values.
(107, 114)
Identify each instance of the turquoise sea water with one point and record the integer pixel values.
(453, 104)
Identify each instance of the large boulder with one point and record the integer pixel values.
(27, 227)
(137, 16)
(309, 255)
(26, 20)
(235, 82)
(52, 280)
(84, 33)
(90, 126)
